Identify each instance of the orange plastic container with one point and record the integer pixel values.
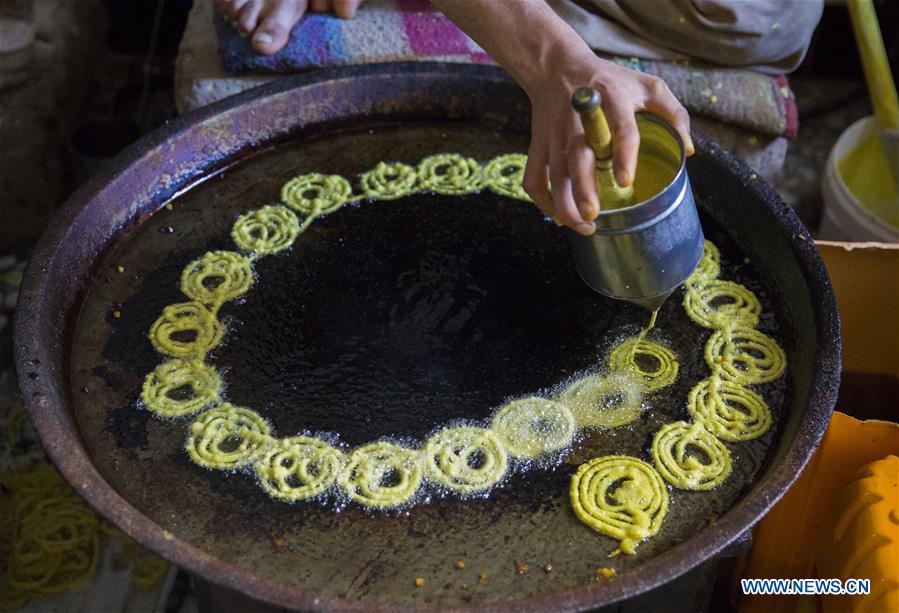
(798, 532)
(861, 539)
(841, 517)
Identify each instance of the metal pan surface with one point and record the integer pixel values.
(350, 333)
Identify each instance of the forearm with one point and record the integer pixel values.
(549, 60)
(525, 37)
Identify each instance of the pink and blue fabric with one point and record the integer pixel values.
(411, 30)
(383, 31)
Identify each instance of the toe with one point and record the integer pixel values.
(229, 9)
(276, 21)
(248, 17)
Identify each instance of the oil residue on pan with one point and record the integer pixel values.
(385, 319)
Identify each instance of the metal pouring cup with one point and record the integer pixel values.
(643, 252)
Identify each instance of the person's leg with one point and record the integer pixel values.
(771, 36)
(268, 22)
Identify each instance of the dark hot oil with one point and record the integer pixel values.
(387, 319)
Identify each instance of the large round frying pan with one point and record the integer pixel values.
(94, 282)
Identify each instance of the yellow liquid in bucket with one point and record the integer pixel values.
(866, 172)
(654, 173)
(657, 163)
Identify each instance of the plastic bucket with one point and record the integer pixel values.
(844, 217)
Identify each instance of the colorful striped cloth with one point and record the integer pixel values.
(411, 30)
(383, 31)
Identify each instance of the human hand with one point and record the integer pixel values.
(268, 22)
(559, 154)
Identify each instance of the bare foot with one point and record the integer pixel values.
(268, 22)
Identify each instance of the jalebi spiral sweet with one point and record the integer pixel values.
(620, 496)
(53, 538)
(389, 181)
(709, 266)
(298, 468)
(533, 425)
(657, 365)
(382, 474)
(738, 356)
(718, 304)
(604, 401)
(730, 411)
(217, 277)
(674, 451)
(504, 174)
(465, 459)
(227, 437)
(265, 231)
(745, 356)
(186, 330)
(449, 174)
(181, 387)
(316, 194)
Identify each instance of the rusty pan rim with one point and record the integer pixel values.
(44, 383)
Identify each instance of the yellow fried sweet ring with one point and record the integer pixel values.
(449, 174)
(745, 356)
(181, 387)
(504, 174)
(465, 459)
(674, 449)
(604, 401)
(533, 425)
(729, 411)
(265, 231)
(298, 468)
(624, 359)
(56, 545)
(620, 496)
(227, 437)
(382, 474)
(49, 537)
(186, 330)
(217, 277)
(316, 194)
(389, 181)
(709, 266)
(717, 304)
